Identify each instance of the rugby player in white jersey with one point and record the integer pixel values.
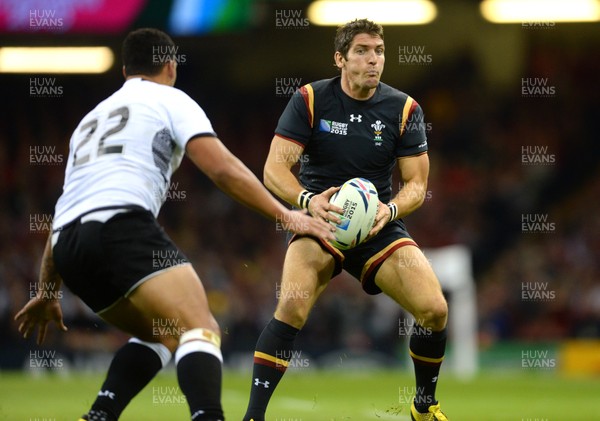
(105, 239)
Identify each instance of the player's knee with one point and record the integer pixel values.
(435, 315)
(213, 326)
(169, 342)
(170, 337)
(162, 351)
(292, 312)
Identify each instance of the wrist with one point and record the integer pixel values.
(393, 211)
(304, 198)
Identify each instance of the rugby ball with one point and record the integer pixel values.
(359, 199)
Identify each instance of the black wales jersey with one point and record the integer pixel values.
(345, 138)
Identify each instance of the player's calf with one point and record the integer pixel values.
(271, 359)
(198, 359)
(131, 369)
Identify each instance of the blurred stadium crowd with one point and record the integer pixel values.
(480, 190)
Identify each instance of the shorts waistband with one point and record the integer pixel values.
(105, 213)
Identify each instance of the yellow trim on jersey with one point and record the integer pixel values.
(271, 358)
(311, 104)
(405, 111)
(377, 256)
(426, 359)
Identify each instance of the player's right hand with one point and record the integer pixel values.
(320, 208)
(299, 222)
(39, 312)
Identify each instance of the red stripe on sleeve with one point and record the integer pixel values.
(306, 97)
(412, 108)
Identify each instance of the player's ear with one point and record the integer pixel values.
(339, 60)
(124, 74)
(171, 66)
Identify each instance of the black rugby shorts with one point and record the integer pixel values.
(101, 262)
(364, 260)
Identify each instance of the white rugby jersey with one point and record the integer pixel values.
(125, 150)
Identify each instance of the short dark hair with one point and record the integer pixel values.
(346, 33)
(145, 51)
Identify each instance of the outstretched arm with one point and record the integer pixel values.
(234, 178)
(44, 307)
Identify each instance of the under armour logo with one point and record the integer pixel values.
(354, 118)
(108, 393)
(265, 383)
(198, 412)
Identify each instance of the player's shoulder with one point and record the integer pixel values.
(388, 92)
(313, 94)
(320, 93)
(397, 101)
(323, 85)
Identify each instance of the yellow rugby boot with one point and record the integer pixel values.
(433, 414)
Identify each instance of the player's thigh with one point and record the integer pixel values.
(307, 270)
(163, 307)
(407, 277)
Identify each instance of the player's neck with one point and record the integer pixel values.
(166, 76)
(162, 78)
(154, 79)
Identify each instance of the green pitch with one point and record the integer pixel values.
(318, 396)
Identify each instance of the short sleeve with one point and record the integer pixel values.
(188, 119)
(296, 121)
(413, 140)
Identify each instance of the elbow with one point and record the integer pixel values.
(420, 199)
(224, 172)
(419, 204)
(416, 205)
(218, 174)
(220, 177)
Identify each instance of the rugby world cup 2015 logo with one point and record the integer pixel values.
(378, 127)
(345, 224)
(334, 127)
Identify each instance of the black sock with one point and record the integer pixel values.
(199, 375)
(131, 369)
(427, 351)
(273, 352)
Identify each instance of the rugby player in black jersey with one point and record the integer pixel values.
(349, 126)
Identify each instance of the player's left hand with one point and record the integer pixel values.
(381, 219)
(299, 222)
(39, 312)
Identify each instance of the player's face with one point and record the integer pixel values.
(364, 62)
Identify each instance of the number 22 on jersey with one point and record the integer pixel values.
(90, 145)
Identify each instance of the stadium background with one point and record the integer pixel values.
(502, 155)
